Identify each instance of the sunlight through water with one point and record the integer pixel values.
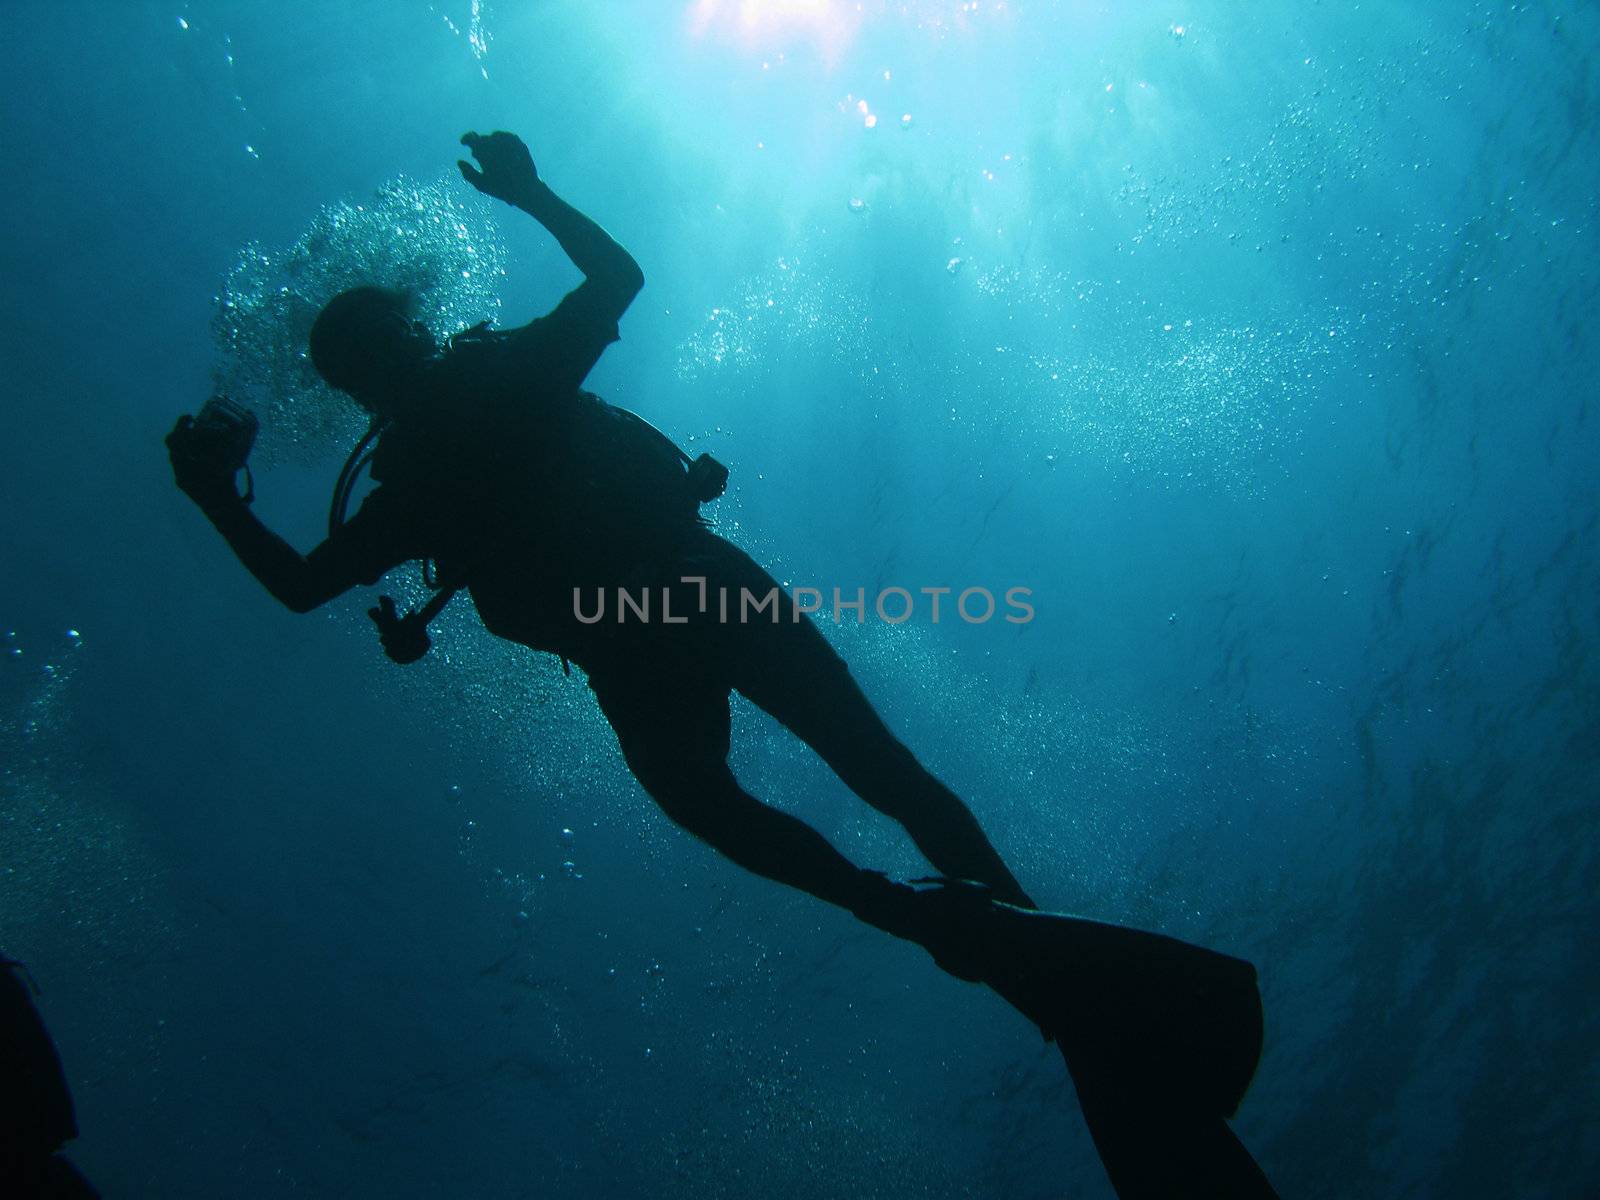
(775, 25)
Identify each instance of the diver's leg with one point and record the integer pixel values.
(672, 723)
(789, 669)
(808, 688)
(675, 742)
(674, 738)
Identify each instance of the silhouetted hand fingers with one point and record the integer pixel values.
(504, 167)
(384, 615)
(470, 173)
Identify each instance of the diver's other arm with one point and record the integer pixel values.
(279, 567)
(508, 174)
(207, 454)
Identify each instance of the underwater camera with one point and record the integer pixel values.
(224, 433)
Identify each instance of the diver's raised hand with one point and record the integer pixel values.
(508, 174)
(507, 170)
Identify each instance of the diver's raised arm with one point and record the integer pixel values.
(508, 174)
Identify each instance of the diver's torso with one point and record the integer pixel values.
(526, 497)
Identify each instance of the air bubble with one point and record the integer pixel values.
(426, 239)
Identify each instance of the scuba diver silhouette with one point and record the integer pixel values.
(492, 463)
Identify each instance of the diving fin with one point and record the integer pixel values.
(1155, 1150)
(1161, 1037)
(1167, 1016)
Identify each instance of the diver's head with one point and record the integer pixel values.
(364, 342)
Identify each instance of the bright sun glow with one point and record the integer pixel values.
(773, 26)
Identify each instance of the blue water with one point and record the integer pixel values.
(1257, 340)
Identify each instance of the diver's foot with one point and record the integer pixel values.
(941, 919)
(969, 934)
(952, 919)
(955, 919)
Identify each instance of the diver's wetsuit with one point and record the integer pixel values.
(490, 482)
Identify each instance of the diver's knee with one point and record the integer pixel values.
(690, 797)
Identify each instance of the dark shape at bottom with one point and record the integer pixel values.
(36, 1114)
